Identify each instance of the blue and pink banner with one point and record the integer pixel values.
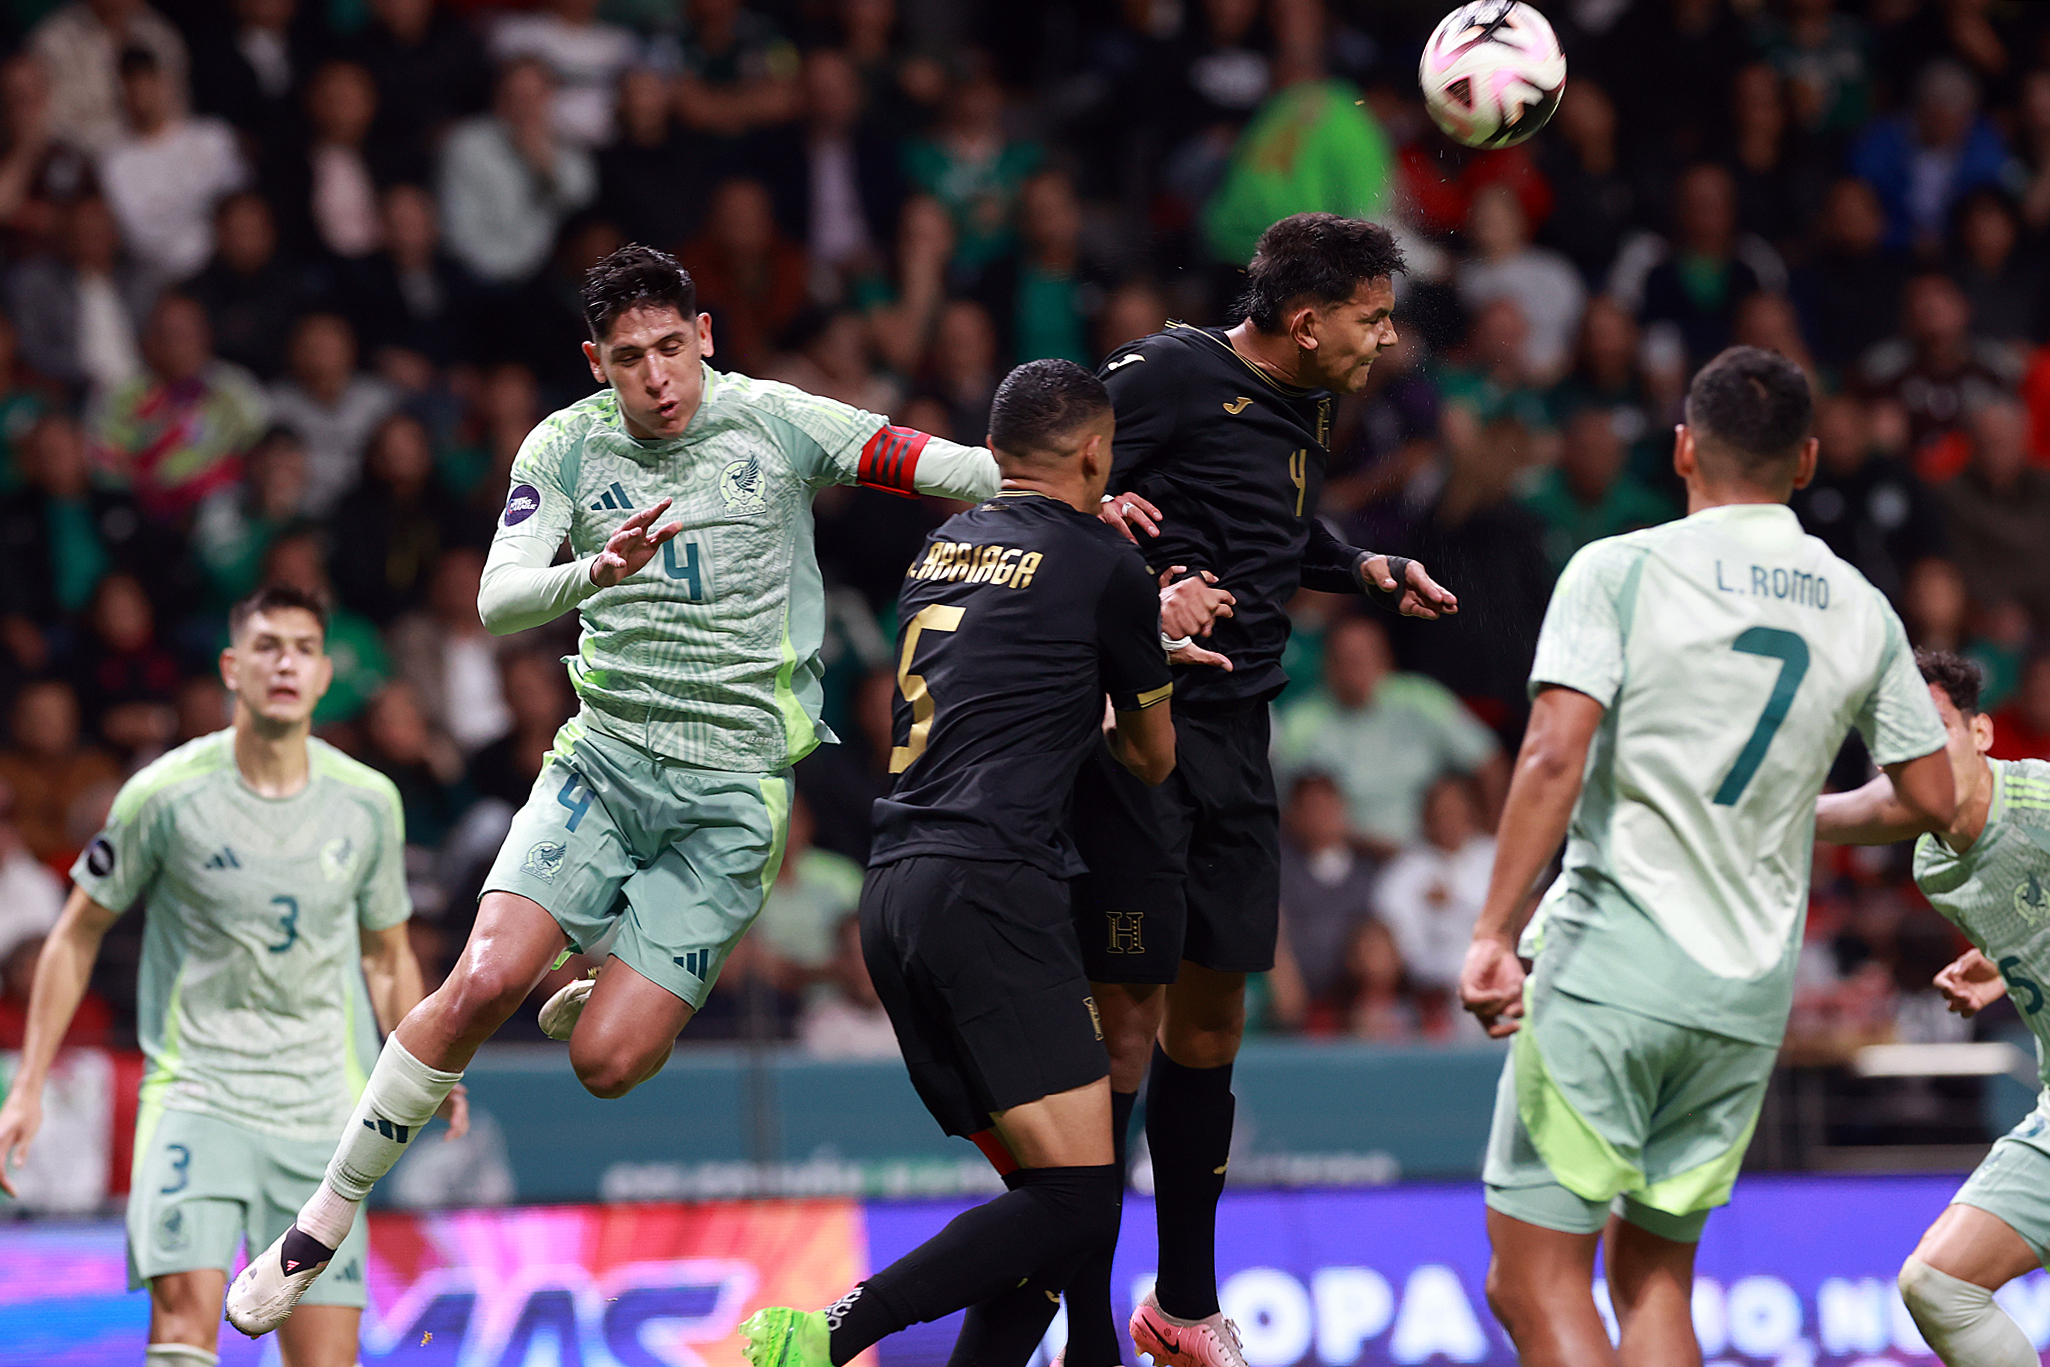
(1797, 1273)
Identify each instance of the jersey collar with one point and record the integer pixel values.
(1287, 391)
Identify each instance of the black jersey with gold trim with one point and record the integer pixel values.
(1015, 619)
(1234, 459)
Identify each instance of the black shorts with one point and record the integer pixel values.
(975, 962)
(1189, 870)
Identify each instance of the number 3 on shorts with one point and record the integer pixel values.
(1792, 653)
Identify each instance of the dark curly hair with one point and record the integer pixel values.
(635, 277)
(1753, 407)
(1319, 258)
(1959, 678)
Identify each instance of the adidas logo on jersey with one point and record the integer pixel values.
(614, 499)
(224, 858)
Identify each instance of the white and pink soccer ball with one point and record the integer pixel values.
(1492, 73)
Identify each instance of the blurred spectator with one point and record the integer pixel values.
(974, 171)
(504, 409)
(60, 534)
(325, 186)
(964, 367)
(49, 765)
(832, 360)
(166, 174)
(1491, 378)
(1439, 177)
(92, 1024)
(902, 324)
(80, 46)
(1594, 199)
(1672, 108)
(1920, 161)
(2004, 287)
(815, 890)
(1866, 505)
(1543, 283)
(739, 73)
(1825, 57)
(1373, 966)
(298, 558)
(402, 744)
(1606, 375)
(1852, 286)
(1590, 493)
(1326, 884)
(443, 651)
(837, 177)
(333, 406)
(81, 310)
(1429, 897)
(236, 524)
(586, 56)
(177, 433)
(1769, 322)
(127, 679)
(651, 178)
(1938, 371)
(247, 66)
(410, 295)
(1699, 280)
(1043, 296)
(203, 707)
(1133, 310)
(31, 896)
(2032, 138)
(400, 522)
(1781, 173)
(22, 401)
(750, 277)
(2021, 730)
(508, 181)
(1999, 513)
(536, 695)
(1313, 145)
(430, 71)
(1384, 736)
(37, 168)
(847, 1021)
(251, 292)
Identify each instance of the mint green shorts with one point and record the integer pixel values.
(2012, 1183)
(200, 1186)
(1603, 1111)
(677, 860)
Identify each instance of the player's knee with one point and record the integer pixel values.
(1509, 1296)
(1088, 1201)
(1939, 1301)
(483, 995)
(609, 1074)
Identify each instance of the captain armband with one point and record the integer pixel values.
(890, 460)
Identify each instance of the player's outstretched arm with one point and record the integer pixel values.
(1542, 791)
(1905, 801)
(520, 589)
(61, 973)
(1403, 584)
(392, 974)
(1970, 983)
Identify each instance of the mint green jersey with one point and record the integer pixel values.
(1731, 652)
(1998, 891)
(251, 1003)
(709, 655)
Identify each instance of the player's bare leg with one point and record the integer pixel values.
(1132, 1014)
(626, 1032)
(1651, 1286)
(1963, 1257)
(511, 945)
(320, 1336)
(185, 1318)
(1541, 1287)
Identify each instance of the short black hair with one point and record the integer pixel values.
(1959, 678)
(1317, 257)
(1753, 407)
(1041, 401)
(636, 277)
(275, 598)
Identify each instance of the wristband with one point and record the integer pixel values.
(1171, 644)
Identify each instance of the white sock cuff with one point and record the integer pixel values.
(178, 1355)
(404, 1090)
(1942, 1287)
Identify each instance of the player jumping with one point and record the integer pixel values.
(1018, 616)
(273, 866)
(660, 814)
(1224, 433)
(1692, 685)
(1985, 871)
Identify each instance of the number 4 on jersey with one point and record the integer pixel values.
(1792, 653)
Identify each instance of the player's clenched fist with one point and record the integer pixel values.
(632, 546)
(1970, 983)
(1491, 985)
(20, 1118)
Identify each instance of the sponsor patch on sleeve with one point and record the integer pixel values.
(522, 503)
(99, 858)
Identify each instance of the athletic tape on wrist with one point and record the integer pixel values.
(1398, 570)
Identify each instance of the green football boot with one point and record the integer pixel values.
(778, 1336)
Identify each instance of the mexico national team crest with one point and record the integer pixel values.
(544, 860)
(741, 485)
(2032, 901)
(335, 856)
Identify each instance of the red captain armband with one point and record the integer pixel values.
(890, 460)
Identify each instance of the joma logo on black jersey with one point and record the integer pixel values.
(1006, 565)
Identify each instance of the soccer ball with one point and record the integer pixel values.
(1492, 73)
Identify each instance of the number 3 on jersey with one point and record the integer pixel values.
(1792, 653)
(932, 617)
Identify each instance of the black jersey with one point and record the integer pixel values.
(1234, 460)
(1016, 618)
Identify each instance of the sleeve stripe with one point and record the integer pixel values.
(1160, 694)
(890, 460)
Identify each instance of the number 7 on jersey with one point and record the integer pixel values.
(1792, 653)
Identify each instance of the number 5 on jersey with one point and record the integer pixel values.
(932, 617)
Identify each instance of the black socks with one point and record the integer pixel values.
(1049, 1218)
(1188, 1128)
(1093, 1339)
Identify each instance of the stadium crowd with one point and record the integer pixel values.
(284, 284)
